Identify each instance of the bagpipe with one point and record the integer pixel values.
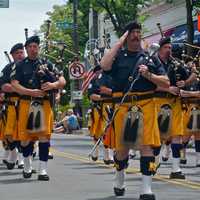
(8, 57)
(175, 64)
(133, 117)
(42, 74)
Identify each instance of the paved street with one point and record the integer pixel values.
(74, 177)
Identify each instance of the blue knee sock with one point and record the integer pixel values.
(43, 151)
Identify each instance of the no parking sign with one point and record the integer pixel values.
(76, 70)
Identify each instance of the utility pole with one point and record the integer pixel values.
(75, 26)
(190, 26)
(76, 83)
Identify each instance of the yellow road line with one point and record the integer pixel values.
(184, 183)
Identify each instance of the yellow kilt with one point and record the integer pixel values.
(97, 123)
(2, 127)
(23, 135)
(109, 137)
(150, 135)
(10, 130)
(176, 128)
(186, 117)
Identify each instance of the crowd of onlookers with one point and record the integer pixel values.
(68, 123)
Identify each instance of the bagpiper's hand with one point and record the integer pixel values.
(105, 90)
(48, 86)
(7, 87)
(174, 90)
(122, 39)
(180, 84)
(184, 93)
(144, 71)
(37, 93)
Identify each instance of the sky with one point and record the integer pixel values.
(21, 14)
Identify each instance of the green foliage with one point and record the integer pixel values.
(196, 3)
(86, 101)
(119, 11)
(63, 15)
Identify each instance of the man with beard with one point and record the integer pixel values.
(126, 65)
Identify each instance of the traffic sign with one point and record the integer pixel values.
(76, 70)
(4, 3)
(63, 25)
(77, 95)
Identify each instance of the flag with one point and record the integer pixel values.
(198, 21)
(89, 77)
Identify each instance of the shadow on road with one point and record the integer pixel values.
(17, 180)
(11, 173)
(112, 198)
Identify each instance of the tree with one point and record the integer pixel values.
(120, 12)
(61, 32)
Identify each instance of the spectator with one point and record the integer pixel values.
(68, 123)
(72, 121)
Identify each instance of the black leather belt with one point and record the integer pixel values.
(129, 98)
(8, 95)
(190, 100)
(164, 95)
(25, 97)
(10, 103)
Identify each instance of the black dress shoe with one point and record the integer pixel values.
(183, 161)
(108, 162)
(4, 161)
(177, 175)
(147, 197)
(27, 174)
(20, 166)
(132, 156)
(10, 166)
(44, 177)
(94, 158)
(119, 192)
(34, 171)
(50, 156)
(165, 159)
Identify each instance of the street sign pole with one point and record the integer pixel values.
(76, 83)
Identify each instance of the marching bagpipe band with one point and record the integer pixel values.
(189, 104)
(133, 120)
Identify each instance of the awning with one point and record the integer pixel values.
(178, 35)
